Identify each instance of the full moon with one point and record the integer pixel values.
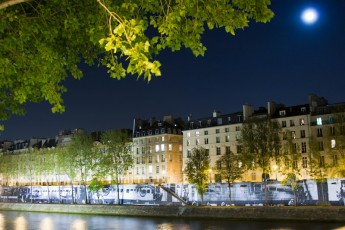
(309, 16)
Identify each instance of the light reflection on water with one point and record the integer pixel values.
(20, 223)
(50, 221)
(46, 224)
(2, 221)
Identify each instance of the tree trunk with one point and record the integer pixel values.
(229, 186)
(48, 191)
(118, 190)
(58, 180)
(295, 195)
(73, 200)
(265, 187)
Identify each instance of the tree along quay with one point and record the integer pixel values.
(305, 213)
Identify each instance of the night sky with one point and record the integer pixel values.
(282, 61)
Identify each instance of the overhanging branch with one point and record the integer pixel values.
(9, 3)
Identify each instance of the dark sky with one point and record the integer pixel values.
(282, 61)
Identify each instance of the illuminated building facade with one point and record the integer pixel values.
(157, 150)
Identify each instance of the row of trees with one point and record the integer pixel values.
(83, 162)
(262, 148)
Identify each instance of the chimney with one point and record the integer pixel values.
(248, 110)
(216, 113)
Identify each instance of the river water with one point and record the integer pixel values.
(10, 220)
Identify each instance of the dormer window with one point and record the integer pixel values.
(303, 109)
(282, 113)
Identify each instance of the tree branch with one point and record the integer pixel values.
(9, 3)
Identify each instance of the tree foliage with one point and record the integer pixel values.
(80, 154)
(229, 167)
(197, 169)
(260, 143)
(289, 163)
(117, 157)
(43, 42)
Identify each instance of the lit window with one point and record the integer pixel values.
(227, 138)
(170, 147)
(333, 143)
(301, 121)
(162, 147)
(150, 169)
(163, 138)
(180, 148)
(197, 133)
(188, 134)
(319, 121)
(157, 148)
(282, 113)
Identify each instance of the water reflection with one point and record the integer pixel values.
(49, 221)
(46, 224)
(2, 221)
(78, 225)
(20, 223)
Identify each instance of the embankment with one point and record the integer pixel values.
(309, 213)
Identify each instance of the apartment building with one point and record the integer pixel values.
(217, 133)
(157, 150)
(299, 124)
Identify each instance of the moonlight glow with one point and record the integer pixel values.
(309, 16)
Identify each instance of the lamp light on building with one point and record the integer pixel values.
(210, 175)
(275, 169)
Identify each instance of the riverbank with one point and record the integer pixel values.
(303, 213)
